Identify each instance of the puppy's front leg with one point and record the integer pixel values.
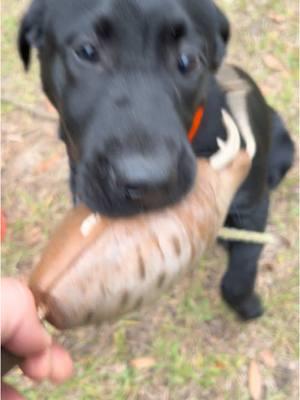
(238, 283)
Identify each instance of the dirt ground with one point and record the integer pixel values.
(188, 345)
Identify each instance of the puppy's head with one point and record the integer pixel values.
(126, 77)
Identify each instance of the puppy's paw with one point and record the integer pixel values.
(249, 309)
(252, 308)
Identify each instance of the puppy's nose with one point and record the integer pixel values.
(135, 193)
(143, 179)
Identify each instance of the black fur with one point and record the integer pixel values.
(281, 153)
(125, 113)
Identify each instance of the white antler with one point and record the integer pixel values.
(227, 149)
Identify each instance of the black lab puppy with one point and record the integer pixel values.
(127, 77)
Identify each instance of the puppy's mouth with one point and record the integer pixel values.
(111, 198)
(98, 195)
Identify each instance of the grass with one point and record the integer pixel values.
(200, 350)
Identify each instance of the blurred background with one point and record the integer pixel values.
(189, 345)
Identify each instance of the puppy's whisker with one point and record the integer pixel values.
(177, 92)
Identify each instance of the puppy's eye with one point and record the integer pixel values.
(177, 32)
(186, 63)
(88, 52)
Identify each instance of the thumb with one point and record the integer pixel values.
(21, 331)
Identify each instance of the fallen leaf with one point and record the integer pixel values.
(266, 89)
(273, 63)
(16, 138)
(220, 365)
(279, 18)
(46, 165)
(114, 369)
(267, 358)
(143, 363)
(269, 266)
(283, 377)
(285, 241)
(255, 383)
(33, 236)
(49, 107)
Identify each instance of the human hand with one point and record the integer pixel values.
(23, 335)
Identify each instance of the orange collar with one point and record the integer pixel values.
(198, 117)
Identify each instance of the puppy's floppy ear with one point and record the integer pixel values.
(222, 37)
(212, 24)
(31, 31)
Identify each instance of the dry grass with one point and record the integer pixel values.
(200, 350)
